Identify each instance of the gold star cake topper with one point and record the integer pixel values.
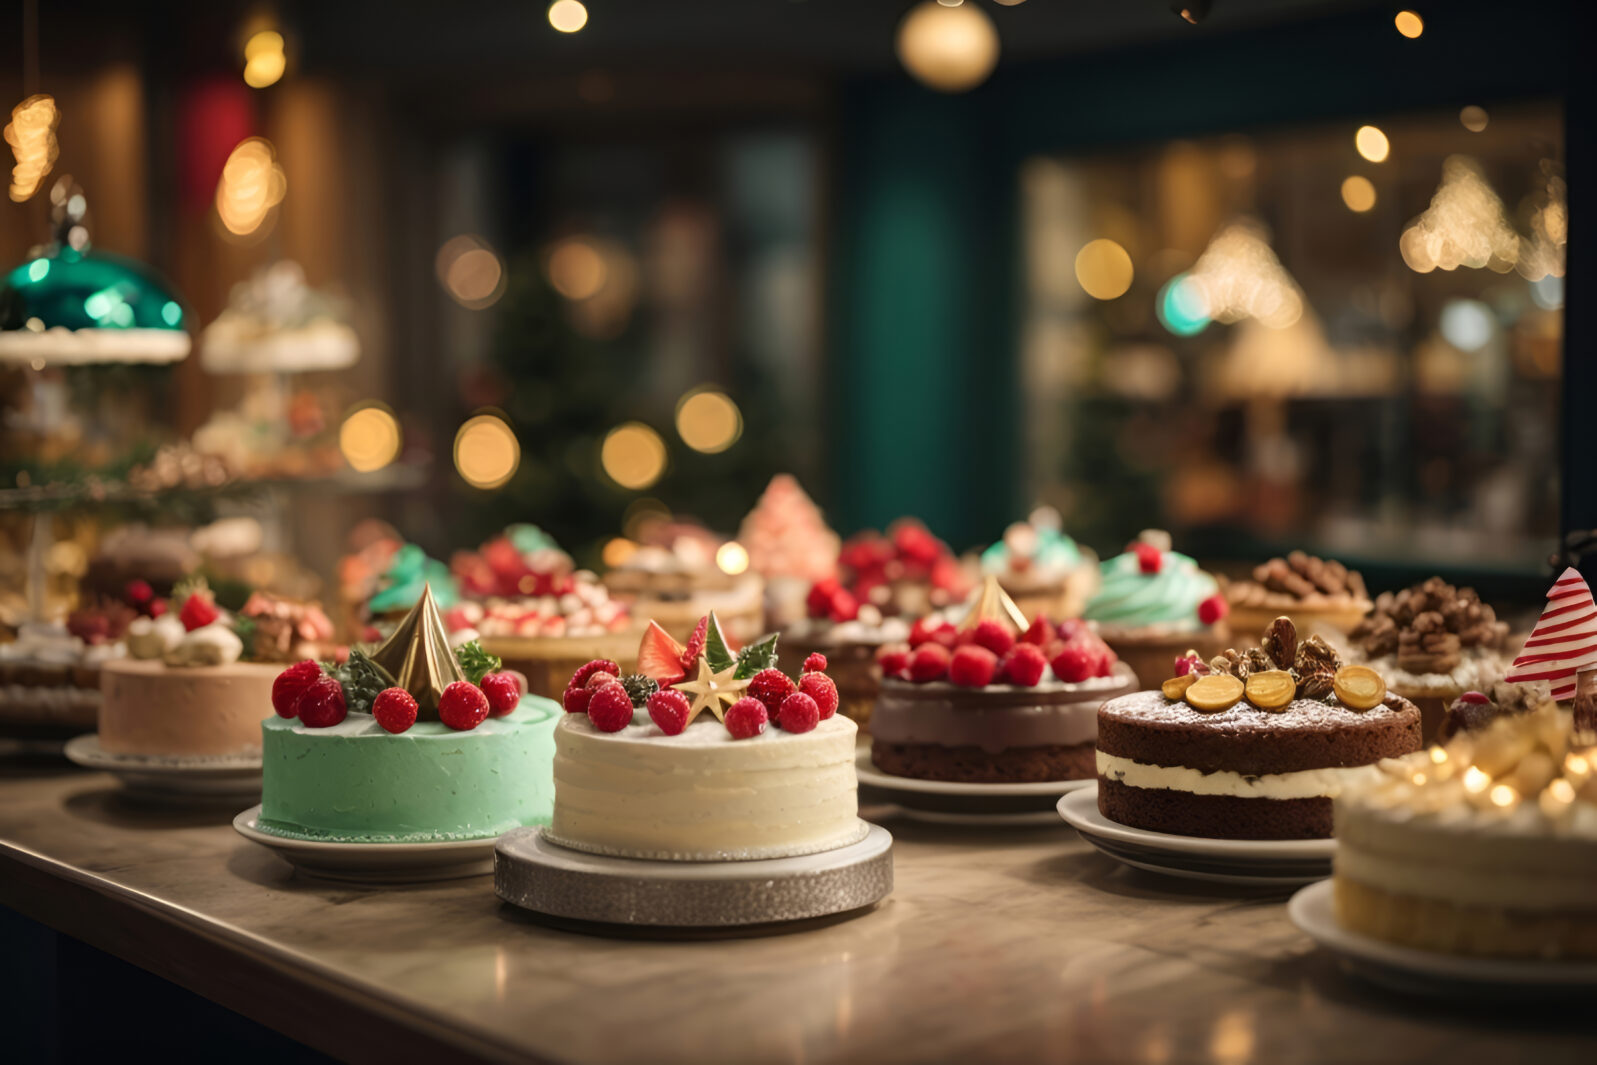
(418, 656)
(712, 691)
(991, 601)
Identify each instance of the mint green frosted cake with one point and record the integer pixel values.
(356, 783)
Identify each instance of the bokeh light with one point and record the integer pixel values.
(568, 16)
(470, 271)
(1358, 192)
(950, 49)
(1465, 225)
(1474, 118)
(486, 451)
(1104, 269)
(617, 550)
(1238, 276)
(1181, 308)
(31, 135)
(708, 420)
(633, 455)
(264, 59)
(642, 515)
(1372, 144)
(252, 184)
(576, 269)
(369, 438)
(1467, 324)
(732, 558)
(1409, 24)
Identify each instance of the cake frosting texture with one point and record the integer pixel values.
(151, 708)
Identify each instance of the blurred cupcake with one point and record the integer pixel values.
(1314, 592)
(1045, 572)
(1154, 604)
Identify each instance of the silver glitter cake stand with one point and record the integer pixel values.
(626, 896)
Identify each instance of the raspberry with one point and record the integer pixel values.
(1075, 663)
(972, 667)
(770, 687)
(815, 663)
(819, 686)
(503, 693)
(290, 683)
(695, 647)
(155, 607)
(575, 700)
(580, 677)
(1473, 697)
(599, 678)
(394, 709)
(463, 706)
(1041, 632)
(819, 600)
(924, 631)
(746, 718)
(1190, 663)
(1070, 628)
(1213, 609)
(991, 634)
(669, 710)
(844, 607)
(198, 611)
(1023, 665)
(799, 713)
(893, 658)
(321, 704)
(1149, 558)
(610, 708)
(138, 592)
(930, 662)
(519, 677)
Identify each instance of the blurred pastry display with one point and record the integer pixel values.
(1314, 592)
(789, 545)
(1154, 604)
(276, 323)
(679, 571)
(1044, 571)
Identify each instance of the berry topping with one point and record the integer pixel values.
(819, 686)
(843, 607)
(815, 663)
(1191, 663)
(580, 677)
(138, 592)
(818, 603)
(1023, 665)
(463, 706)
(1076, 662)
(394, 709)
(893, 658)
(610, 708)
(1041, 633)
(519, 677)
(600, 678)
(290, 683)
(321, 704)
(1473, 697)
(198, 611)
(991, 634)
(799, 713)
(1213, 609)
(933, 630)
(669, 710)
(770, 687)
(575, 700)
(503, 693)
(1149, 558)
(639, 688)
(972, 666)
(660, 657)
(746, 718)
(695, 647)
(929, 662)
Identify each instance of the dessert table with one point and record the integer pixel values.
(1019, 944)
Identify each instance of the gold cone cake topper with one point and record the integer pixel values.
(991, 601)
(419, 657)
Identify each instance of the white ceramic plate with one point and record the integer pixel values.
(374, 863)
(1275, 863)
(1427, 972)
(869, 774)
(176, 779)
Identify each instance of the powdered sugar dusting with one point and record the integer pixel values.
(1307, 715)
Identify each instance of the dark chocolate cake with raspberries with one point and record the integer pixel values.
(996, 699)
(1250, 745)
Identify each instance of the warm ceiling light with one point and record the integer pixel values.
(568, 16)
(1358, 192)
(1474, 118)
(1104, 269)
(950, 49)
(1372, 144)
(576, 269)
(633, 455)
(252, 183)
(369, 438)
(31, 134)
(709, 421)
(470, 271)
(264, 60)
(1409, 24)
(732, 558)
(486, 451)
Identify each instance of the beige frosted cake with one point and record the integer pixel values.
(150, 708)
(642, 771)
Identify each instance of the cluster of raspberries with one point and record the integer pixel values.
(989, 653)
(318, 700)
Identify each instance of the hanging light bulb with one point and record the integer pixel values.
(950, 49)
(1465, 225)
(31, 134)
(1238, 276)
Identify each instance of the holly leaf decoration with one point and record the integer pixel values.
(717, 652)
(361, 678)
(755, 657)
(475, 662)
(244, 629)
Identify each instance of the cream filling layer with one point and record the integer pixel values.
(1505, 887)
(1303, 784)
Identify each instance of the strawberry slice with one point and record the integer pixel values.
(695, 648)
(660, 657)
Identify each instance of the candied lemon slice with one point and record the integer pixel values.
(1270, 689)
(1176, 687)
(1216, 692)
(1358, 687)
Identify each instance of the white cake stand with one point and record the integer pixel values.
(172, 779)
(620, 896)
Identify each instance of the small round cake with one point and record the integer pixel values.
(354, 782)
(704, 794)
(996, 734)
(148, 707)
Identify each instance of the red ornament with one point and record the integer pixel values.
(394, 709)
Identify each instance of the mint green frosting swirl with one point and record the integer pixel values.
(1128, 596)
(409, 571)
(1055, 552)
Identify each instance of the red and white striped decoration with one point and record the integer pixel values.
(1564, 641)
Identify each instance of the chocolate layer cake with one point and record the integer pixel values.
(1241, 773)
(998, 734)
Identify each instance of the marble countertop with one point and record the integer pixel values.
(997, 945)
